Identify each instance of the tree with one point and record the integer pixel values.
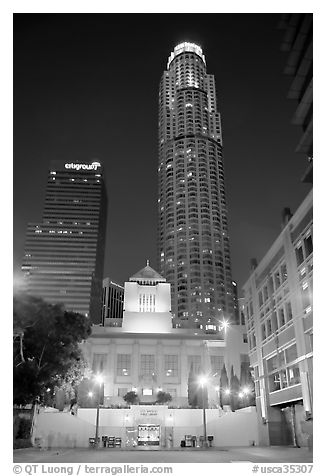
(46, 339)
(131, 397)
(247, 382)
(163, 397)
(234, 391)
(192, 388)
(224, 387)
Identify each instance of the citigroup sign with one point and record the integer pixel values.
(92, 166)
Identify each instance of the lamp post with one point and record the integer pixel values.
(246, 392)
(224, 325)
(203, 381)
(99, 381)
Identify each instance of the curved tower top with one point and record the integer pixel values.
(186, 47)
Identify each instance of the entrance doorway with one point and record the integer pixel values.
(148, 435)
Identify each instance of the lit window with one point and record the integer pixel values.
(123, 364)
(147, 391)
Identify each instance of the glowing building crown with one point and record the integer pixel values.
(183, 47)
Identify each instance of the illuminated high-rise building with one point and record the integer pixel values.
(193, 243)
(64, 254)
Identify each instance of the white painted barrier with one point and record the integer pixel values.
(61, 429)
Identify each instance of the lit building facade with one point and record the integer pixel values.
(64, 254)
(193, 241)
(279, 319)
(146, 354)
(112, 303)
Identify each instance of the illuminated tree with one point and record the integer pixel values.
(47, 349)
(224, 388)
(192, 388)
(234, 391)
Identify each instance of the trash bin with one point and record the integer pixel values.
(91, 442)
(118, 442)
(111, 442)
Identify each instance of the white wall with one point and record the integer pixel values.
(229, 429)
(61, 429)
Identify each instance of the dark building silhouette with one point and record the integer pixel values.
(112, 303)
(298, 43)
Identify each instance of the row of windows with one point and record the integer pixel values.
(277, 320)
(280, 373)
(303, 249)
(273, 283)
(147, 364)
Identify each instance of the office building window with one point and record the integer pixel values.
(308, 245)
(299, 254)
(172, 392)
(171, 366)
(99, 363)
(147, 364)
(122, 392)
(194, 362)
(288, 308)
(281, 373)
(123, 364)
(217, 362)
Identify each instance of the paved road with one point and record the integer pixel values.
(221, 455)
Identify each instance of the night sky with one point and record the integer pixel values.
(86, 86)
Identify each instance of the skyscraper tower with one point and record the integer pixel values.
(64, 254)
(194, 250)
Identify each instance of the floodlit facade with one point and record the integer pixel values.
(193, 240)
(278, 309)
(146, 354)
(64, 254)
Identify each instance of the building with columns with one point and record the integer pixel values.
(146, 354)
(279, 318)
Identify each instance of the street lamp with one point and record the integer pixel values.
(99, 381)
(245, 391)
(224, 325)
(203, 380)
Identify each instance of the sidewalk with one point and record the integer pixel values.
(276, 454)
